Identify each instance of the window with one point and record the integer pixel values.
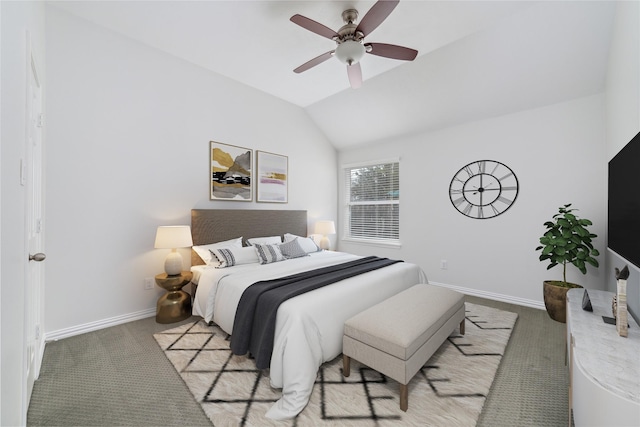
(372, 205)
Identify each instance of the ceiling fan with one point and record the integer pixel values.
(350, 46)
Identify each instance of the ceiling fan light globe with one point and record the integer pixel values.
(350, 52)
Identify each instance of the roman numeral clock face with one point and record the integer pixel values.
(483, 189)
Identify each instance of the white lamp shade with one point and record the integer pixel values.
(325, 227)
(173, 236)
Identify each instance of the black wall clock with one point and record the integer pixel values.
(483, 189)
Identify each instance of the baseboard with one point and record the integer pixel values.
(493, 296)
(143, 314)
(100, 324)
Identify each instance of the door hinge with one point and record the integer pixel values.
(40, 120)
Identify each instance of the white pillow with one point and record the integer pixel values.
(289, 237)
(203, 250)
(271, 240)
(230, 256)
(306, 243)
(269, 253)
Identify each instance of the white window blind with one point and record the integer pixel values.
(372, 202)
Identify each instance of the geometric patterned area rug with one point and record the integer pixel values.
(449, 390)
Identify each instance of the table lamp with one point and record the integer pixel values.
(325, 228)
(173, 237)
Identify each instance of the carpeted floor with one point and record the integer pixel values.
(449, 390)
(532, 382)
(120, 376)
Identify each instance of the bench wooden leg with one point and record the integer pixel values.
(346, 365)
(462, 327)
(404, 397)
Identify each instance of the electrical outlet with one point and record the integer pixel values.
(148, 282)
(443, 264)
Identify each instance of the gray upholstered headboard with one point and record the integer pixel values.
(216, 225)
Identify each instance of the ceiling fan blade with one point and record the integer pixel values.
(355, 75)
(392, 51)
(315, 61)
(313, 26)
(376, 15)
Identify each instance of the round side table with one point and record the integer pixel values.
(175, 305)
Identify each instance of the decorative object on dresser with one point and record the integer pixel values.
(450, 389)
(230, 172)
(483, 189)
(173, 237)
(566, 240)
(586, 302)
(604, 373)
(272, 177)
(325, 228)
(175, 305)
(620, 312)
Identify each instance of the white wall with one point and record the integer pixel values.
(623, 117)
(526, 60)
(556, 152)
(16, 19)
(129, 131)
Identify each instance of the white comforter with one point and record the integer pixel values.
(309, 327)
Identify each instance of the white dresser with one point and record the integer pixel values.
(604, 368)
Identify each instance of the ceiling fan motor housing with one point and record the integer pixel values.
(350, 49)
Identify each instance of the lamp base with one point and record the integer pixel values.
(325, 243)
(173, 263)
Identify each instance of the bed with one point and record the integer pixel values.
(308, 327)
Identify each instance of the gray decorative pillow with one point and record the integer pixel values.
(292, 249)
(269, 253)
(306, 243)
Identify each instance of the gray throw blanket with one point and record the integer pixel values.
(255, 321)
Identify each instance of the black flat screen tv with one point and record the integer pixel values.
(624, 202)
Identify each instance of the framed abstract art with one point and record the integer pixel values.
(230, 172)
(272, 177)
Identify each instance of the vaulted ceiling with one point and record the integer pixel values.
(477, 59)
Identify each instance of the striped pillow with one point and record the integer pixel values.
(228, 257)
(204, 251)
(269, 253)
(292, 249)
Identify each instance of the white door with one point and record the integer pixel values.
(31, 176)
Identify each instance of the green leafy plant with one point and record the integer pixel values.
(568, 241)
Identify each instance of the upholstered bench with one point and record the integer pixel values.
(397, 336)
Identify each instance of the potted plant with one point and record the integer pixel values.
(566, 241)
